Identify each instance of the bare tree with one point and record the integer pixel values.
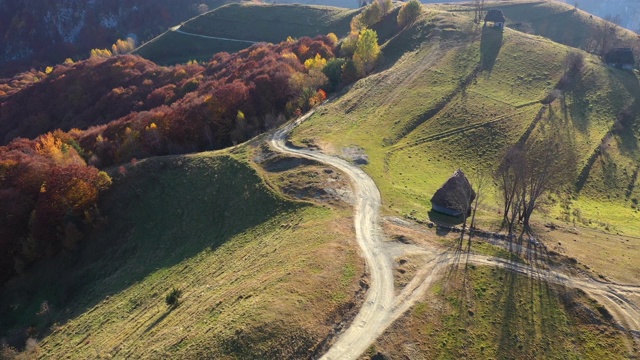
(480, 183)
(606, 34)
(573, 63)
(478, 7)
(572, 66)
(530, 170)
(466, 196)
(550, 165)
(509, 177)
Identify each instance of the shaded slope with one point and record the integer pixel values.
(205, 224)
(248, 22)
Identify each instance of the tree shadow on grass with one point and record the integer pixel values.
(629, 115)
(459, 249)
(529, 316)
(490, 45)
(579, 108)
(164, 211)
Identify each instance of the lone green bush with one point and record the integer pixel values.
(173, 298)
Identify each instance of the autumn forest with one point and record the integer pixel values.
(130, 109)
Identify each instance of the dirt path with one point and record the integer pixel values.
(374, 316)
(177, 30)
(381, 307)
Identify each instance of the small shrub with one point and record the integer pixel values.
(173, 298)
(31, 348)
(409, 13)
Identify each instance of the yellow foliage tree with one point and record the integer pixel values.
(316, 63)
(290, 55)
(367, 52)
(55, 148)
(123, 46)
(101, 53)
(334, 38)
(409, 12)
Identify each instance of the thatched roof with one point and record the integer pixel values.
(620, 56)
(454, 192)
(494, 15)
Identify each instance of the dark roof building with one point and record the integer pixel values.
(496, 17)
(621, 58)
(451, 199)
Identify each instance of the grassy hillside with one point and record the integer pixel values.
(261, 276)
(485, 313)
(459, 96)
(560, 22)
(174, 48)
(247, 22)
(462, 96)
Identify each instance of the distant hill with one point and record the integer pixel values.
(628, 10)
(559, 22)
(218, 30)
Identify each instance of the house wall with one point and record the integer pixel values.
(446, 211)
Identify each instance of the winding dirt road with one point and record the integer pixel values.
(382, 307)
(374, 314)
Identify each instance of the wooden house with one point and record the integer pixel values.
(621, 58)
(455, 196)
(495, 17)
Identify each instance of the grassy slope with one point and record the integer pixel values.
(488, 313)
(418, 126)
(261, 276)
(251, 22)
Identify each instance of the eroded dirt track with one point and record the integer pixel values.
(373, 317)
(382, 307)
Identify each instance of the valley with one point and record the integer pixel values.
(259, 206)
